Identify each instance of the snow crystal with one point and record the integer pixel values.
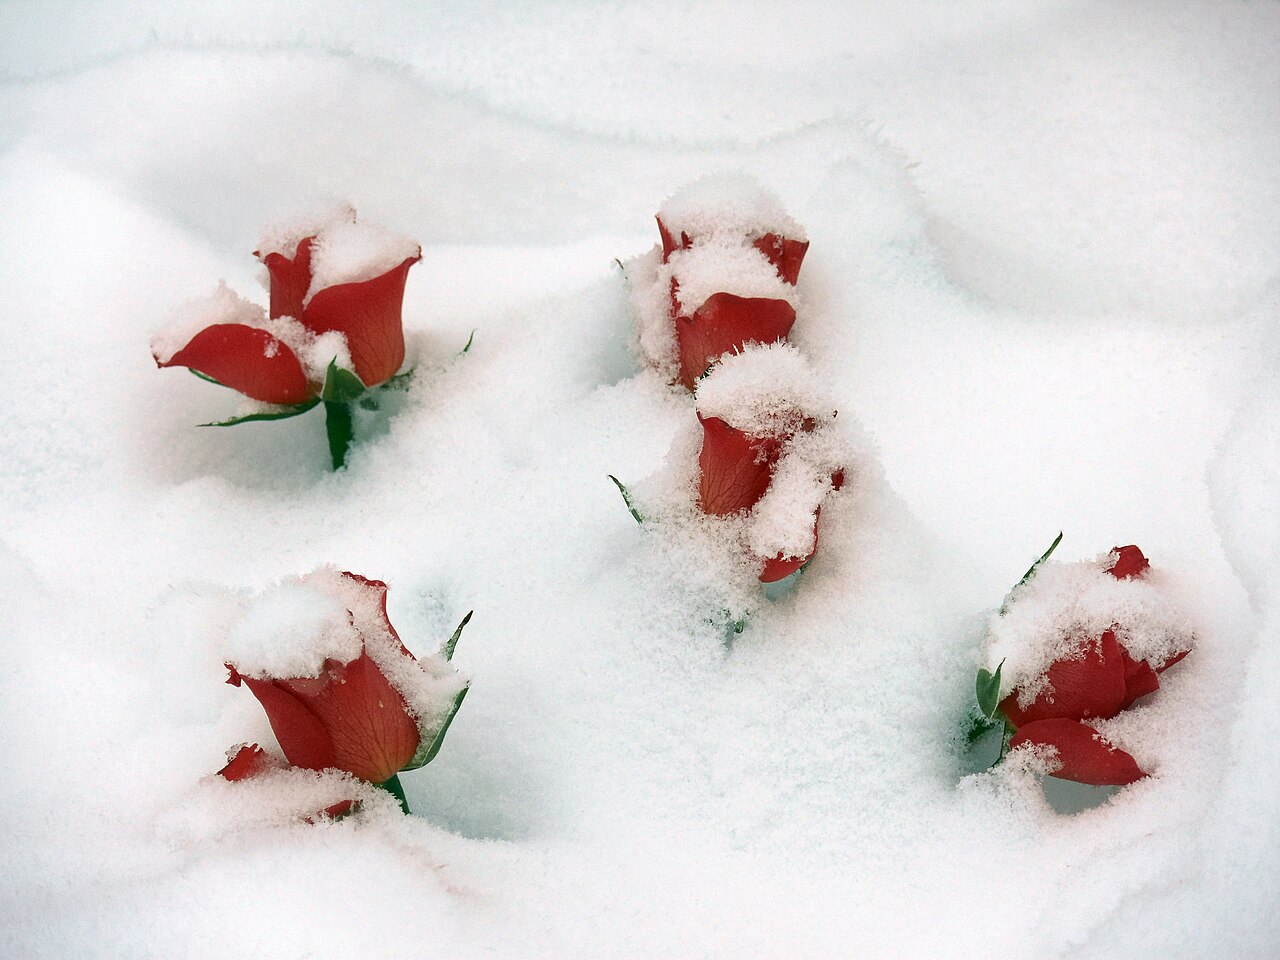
(1047, 618)
(314, 351)
(782, 521)
(291, 629)
(650, 293)
(283, 236)
(349, 252)
(764, 390)
(222, 306)
(729, 204)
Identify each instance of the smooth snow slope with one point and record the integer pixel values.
(1044, 275)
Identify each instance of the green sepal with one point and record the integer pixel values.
(205, 377)
(284, 414)
(427, 752)
(1031, 572)
(988, 689)
(340, 386)
(451, 644)
(470, 339)
(393, 787)
(626, 498)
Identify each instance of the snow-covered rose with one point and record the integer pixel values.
(336, 293)
(1096, 676)
(338, 686)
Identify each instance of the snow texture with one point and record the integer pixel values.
(732, 206)
(1042, 276)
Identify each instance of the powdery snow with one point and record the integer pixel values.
(1042, 277)
(727, 206)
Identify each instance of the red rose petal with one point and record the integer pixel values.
(372, 733)
(249, 761)
(779, 567)
(785, 254)
(1085, 756)
(245, 359)
(290, 280)
(1171, 661)
(369, 313)
(669, 242)
(736, 468)
(1130, 562)
(301, 733)
(727, 322)
(1139, 679)
(1091, 686)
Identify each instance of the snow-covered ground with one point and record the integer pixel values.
(1044, 277)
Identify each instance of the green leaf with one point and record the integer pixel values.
(338, 426)
(283, 414)
(1031, 572)
(206, 377)
(340, 386)
(626, 498)
(977, 727)
(367, 402)
(988, 688)
(452, 642)
(425, 756)
(469, 341)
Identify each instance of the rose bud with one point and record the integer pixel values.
(336, 291)
(768, 452)
(1093, 667)
(248, 761)
(724, 276)
(339, 688)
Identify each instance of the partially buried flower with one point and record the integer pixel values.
(248, 761)
(339, 688)
(768, 452)
(1111, 645)
(724, 276)
(336, 291)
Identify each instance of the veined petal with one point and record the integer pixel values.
(785, 254)
(300, 731)
(1084, 755)
(369, 725)
(735, 468)
(1139, 679)
(369, 314)
(245, 359)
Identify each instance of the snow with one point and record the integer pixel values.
(731, 205)
(765, 390)
(185, 321)
(1042, 277)
(290, 630)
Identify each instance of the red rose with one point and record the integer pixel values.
(263, 361)
(726, 322)
(1097, 680)
(735, 470)
(354, 715)
(250, 760)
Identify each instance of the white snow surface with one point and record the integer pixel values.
(764, 390)
(1043, 276)
(345, 252)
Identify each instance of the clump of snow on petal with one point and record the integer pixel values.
(314, 351)
(782, 522)
(283, 236)
(655, 337)
(222, 306)
(732, 203)
(1064, 603)
(723, 264)
(349, 252)
(765, 390)
(292, 628)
